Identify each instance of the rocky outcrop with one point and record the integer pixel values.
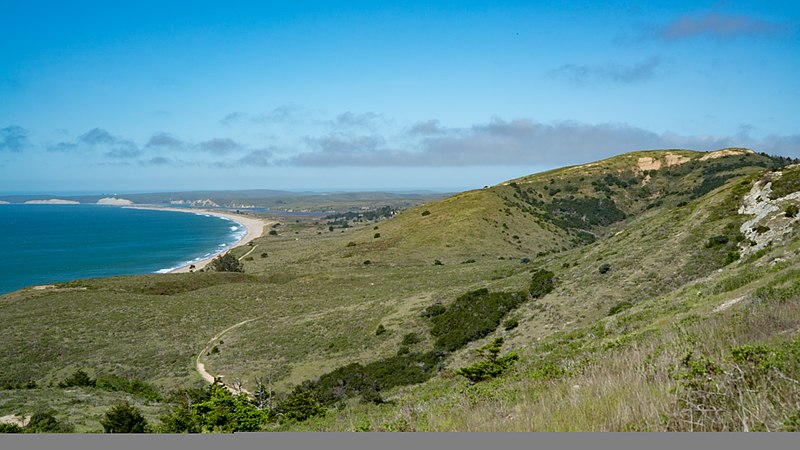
(769, 222)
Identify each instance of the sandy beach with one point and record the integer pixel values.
(255, 228)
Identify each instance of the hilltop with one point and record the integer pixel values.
(630, 290)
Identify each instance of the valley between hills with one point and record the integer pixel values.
(652, 291)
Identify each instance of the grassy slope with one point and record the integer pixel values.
(316, 304)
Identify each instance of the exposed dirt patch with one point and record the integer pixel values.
(648, 163)
(726, 152)
(675, 160)
(16, 420)
(728, 304)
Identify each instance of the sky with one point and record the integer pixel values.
(375, 95)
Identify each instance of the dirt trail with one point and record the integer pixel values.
(201, 368)
(248, 253)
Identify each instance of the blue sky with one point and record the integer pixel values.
(379, 95)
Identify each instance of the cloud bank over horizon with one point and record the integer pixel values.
(365, 140)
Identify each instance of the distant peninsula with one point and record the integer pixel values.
(52, 201)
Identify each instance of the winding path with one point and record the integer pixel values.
(248, 253)
(201, 368)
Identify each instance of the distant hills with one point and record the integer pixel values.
(245, 199)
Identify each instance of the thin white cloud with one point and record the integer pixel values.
(13, 138)
(611, 72)
(721, 26)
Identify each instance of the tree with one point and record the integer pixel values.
(79, 378)
(45, 422)
(124, 418)
(226, 413)
(227, 263)
(492, 366)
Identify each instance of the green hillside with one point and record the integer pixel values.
(670, 310)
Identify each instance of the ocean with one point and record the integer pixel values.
(42, 244)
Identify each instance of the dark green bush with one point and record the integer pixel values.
(46, 422)
(380, 330)
(275, 232)
(492, 366)
(731, 257)
(760, 229)
(433, 310)
(11, 428)
(604, 268)
(227, 263)
(584, 213)
(124, 418)
(354, 379)
(619, 307)
(510, 324)
(300, 406)
(542, 283)
(472, 316)
(137, 388)
(426, 213)
(411, 339)
(226, 413)
(791, 211)
(79, 378)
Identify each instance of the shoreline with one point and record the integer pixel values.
(254, 229)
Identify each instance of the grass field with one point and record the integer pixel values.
(606, 350)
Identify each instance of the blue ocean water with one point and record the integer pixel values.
(42, 244)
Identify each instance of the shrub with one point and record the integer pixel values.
(604, 268)
(114, 383)
(227, 263)
(367, 262)
(79, 378)
(433, 310)
(300, 406)
(436, 262)
(354, 379)
(351, 244)
(275, 232)
(619, 307)
(264, 255)
(492, 366)
(226, 413)
(124, 418)
(760, 229)
(411, 339)
(791, 211)
(377, 235)
(510, 324)
(716, 241)
(380, 330)
(45, 422)
(731, 257)
(472, 316)
(469, 261)
(180, 420)
(542, 283)
(426, 213)
(11, 428)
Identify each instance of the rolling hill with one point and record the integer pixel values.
(674, 306)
